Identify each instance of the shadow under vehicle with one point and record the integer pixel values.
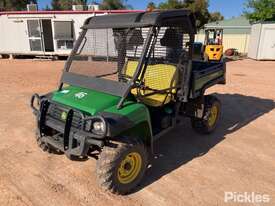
(129, 80)
(237, 112)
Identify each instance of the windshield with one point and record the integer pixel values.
(104, 52)
(107, 59)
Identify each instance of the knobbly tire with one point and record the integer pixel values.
(212, 112)
(121, 165)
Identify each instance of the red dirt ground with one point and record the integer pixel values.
(190, 169)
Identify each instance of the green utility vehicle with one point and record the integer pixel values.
(129, 80)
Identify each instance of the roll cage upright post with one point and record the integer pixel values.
(145, 51)
(185, 87)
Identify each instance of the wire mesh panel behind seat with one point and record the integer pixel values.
(160, 78)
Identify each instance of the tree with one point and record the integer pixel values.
(80, 2)
(198, 7)
(260, 10)
(56, 5)
(151, 6)
(2, 5)
(171, 4)
(66, 4)
(47, 8)
(200, 10)
(216, 16)
(114, 5)
(15, 5)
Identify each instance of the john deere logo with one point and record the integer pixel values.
(80, 95)
(64, 116)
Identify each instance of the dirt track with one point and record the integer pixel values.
(190, 169)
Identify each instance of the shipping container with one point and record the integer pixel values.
(262, 41)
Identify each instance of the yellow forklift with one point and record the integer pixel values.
(213, 44)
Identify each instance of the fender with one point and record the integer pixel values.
(131, 120)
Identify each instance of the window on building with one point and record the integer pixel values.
(64, 34)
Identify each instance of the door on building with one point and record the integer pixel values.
(268, 49)
(47, 35)
(40, 35)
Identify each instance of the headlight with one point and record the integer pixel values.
(96, 125)
(99, 127)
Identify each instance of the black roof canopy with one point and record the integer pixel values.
(180, 17)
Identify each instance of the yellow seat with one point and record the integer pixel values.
(156, 77)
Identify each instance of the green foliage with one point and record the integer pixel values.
(47, 8)
(80, 2)
(199, 7)
(66, 4)
(15, 5)
(56, 5)
(216, 16)
(171, 4)
(151, 5)
(114, 5)
(260, 10)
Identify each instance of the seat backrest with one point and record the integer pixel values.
(161, 76)
(130, 68)
(156, 77)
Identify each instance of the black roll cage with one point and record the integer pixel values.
(121, 88)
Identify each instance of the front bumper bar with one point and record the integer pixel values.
(70, 140)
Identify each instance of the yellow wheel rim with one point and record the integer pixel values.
(129, 168)
(213, 116)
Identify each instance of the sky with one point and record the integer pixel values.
(228, 8)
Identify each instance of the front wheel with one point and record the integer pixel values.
(121, 165)
(211, 116)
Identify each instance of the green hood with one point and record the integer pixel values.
(93, 102)
(86, 100)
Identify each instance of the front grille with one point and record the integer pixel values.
(57, 112)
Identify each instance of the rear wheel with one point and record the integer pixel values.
(211, 116)
(121, 165)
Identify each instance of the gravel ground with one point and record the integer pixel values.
(189, 169)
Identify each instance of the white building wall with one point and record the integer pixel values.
(15, 35)
(267, 43)
(1, 29)
(262, 43)
(254, 41)
(14, 31)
